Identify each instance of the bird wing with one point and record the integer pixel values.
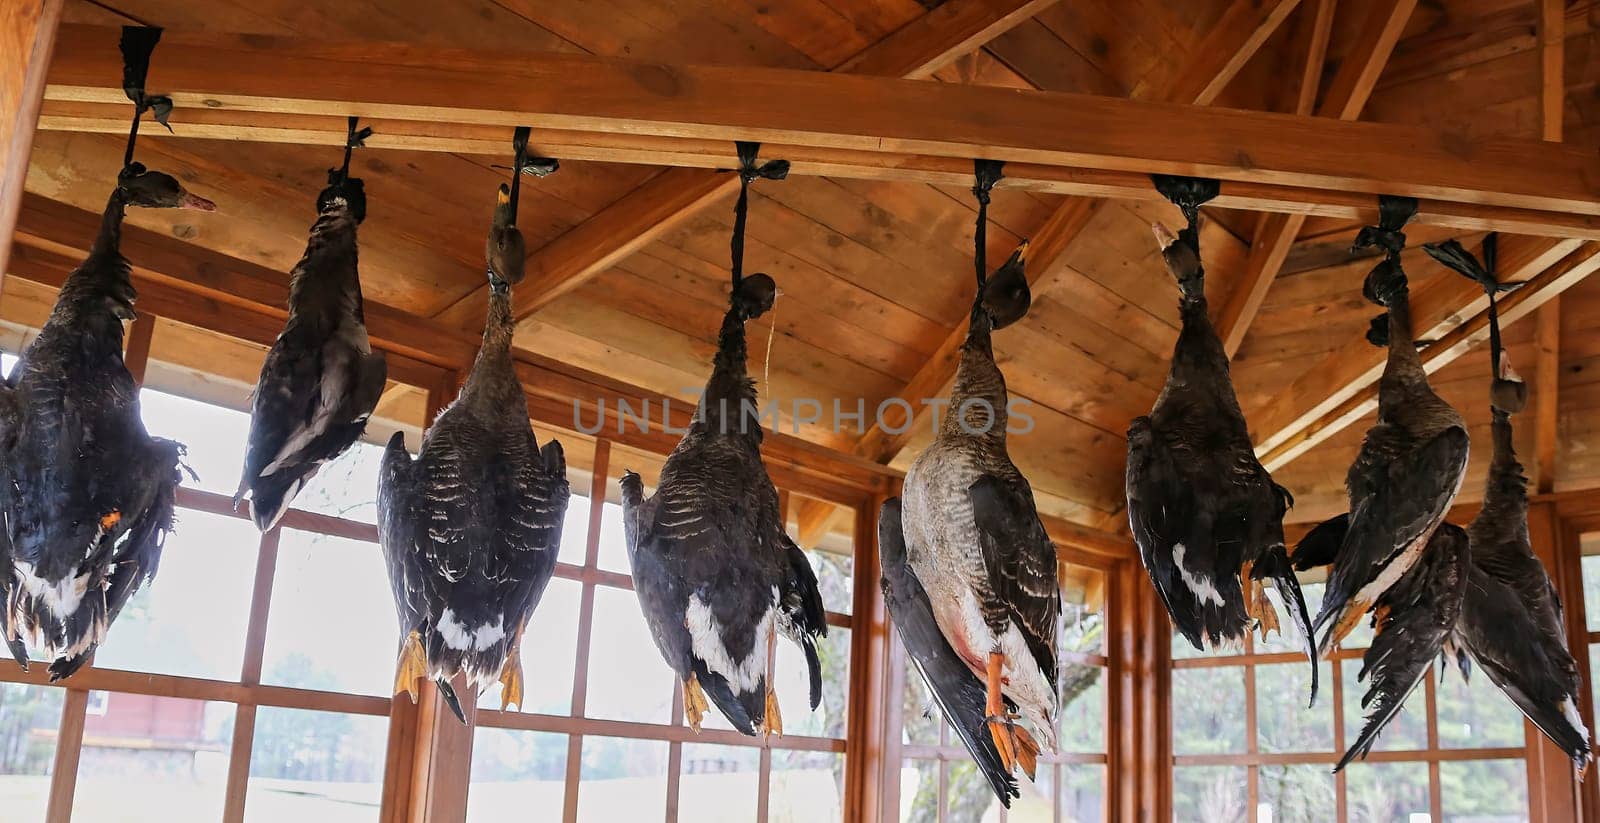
(960, 694)
(1511, 625)
(1412, 621)
(398, 532)
(1178, 540)
(531, 513)
(1397, 495)
(803, 604)
(1021, 562)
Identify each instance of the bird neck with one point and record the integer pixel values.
(329, 262)
(103, 275)
(730, 395)
(978, 399)
(1403, 370)
(1505, 496)
(493, 369)
(1198, 346)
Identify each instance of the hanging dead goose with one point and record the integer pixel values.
(984, 568)
(1411, 463)
(717, 576)
(1206, 515)
(321, 379)
(87, 495)
(1512, 622)
(471, 528)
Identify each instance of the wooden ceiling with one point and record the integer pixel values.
(630, 260)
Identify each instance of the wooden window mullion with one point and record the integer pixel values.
(1435, 802)
(244, 721)
(580, 683)
(69, 746)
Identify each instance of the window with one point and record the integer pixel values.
(603, 729)
(938, 781)
(1245, 747)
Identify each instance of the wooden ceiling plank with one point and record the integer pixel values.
(27, 38)
(1547, 369)
(634, 221)
(1357, 397)
(1347, 96)
(869, 116)
(1240, 33)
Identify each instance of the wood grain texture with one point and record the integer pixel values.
(27, 39)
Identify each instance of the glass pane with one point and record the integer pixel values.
(920, 718)
(575, 531)
(807, 787)
(1591, 591)
(1038, 800)
(835, 574)
(29, 718)
(1475, 714)
(1083, 793)
(1386, 792)
(622, 780)
(517, 775)
(1294, 793)
(1283, 723)
(1483, 791)
(155, 759)
(321, 766)
(794, 686)
(970, 798)
(1408, 731)
(719, 784)
(191, 620)
(1211, 794)
(919, 791)
(215, 437)
(549, 652)
(1205, 716)
(627, 678)
(1083, 708)
(1288, 639)
(613, 544)
(1082, 630)
(325, 582)
(346, 486)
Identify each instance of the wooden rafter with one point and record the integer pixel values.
(1547, 371)
(1346, 97)
(918, 49)
(27, 38)
(1241, 31)
(1359, 396)
(847, 125)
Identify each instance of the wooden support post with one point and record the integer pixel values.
(27, 39)
(1547, 374)
(1122, 709)
(1552, 783)
(69, 745)
(869, 646)
(136, 348)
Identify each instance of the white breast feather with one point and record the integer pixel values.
(705, 641)
(1200, 586)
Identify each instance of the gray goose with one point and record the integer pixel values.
(471, 528)
(1512, 622)
(973, 542)
(1411, 462)
(1206, 515)
(86, 494)
(717, 577)
(321, 379)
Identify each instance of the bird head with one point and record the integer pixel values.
(1385, 283)
(1182, 255)
(1508, 393)
(347, 192)
(506, 250)
(1005, 296)
(754, 296)
(157, 190)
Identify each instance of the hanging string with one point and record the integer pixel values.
(519, 150)
(749, 172)
(1188, 194)
(137, 44)
(353, 140)
(986, 173)
(772, 331)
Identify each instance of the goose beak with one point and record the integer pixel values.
(195, 202)
(1164, 236)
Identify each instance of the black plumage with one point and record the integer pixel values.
(321, 379)
(471, 528)
(716, 575)
(1411, 463)
(1206, 514)
(1512, 622)
(960, 694)
(86, 493)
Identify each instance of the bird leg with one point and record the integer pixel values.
(1347, 622)
(511, 672)
(694, 702)
(1256, 604)
(771, 717)
(1013, 742)
(413, 666)
(110, 519)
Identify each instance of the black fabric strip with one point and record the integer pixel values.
(749, 172)
(986, 173)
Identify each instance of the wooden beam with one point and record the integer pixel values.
(1360, 396)
(916, 50)
(834, 112)
(69, 747)
(1547, 371)
(27, 38)
(1348, 94)
(1241, 31)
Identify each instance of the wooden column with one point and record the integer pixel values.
(866, 729)
(27, 38)
(1547, 374)
(1552, 783)
(1154, 708)
(1123, 741)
